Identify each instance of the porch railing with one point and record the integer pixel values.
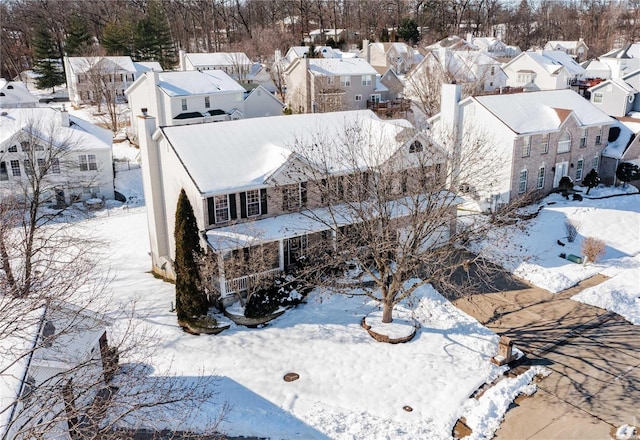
(242, 284)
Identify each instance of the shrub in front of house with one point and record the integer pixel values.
(285, 291)
(593, 249)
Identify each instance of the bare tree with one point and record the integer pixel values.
(105, 88)
(390, 212)
(58, 371)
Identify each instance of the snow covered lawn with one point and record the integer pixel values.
(350, 386)
(531, 251)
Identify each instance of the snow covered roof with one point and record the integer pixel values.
(628, 51)
(84, 64)
(596, 68)
(561, 57)
(46, 121)
(629, 127)
(229, 59)
(340, 66)
(194, 82)
(453, 42)
(248, 151)
(534, 112)
(566, 44)
(145, 66)
(15, 93)
(619, 83)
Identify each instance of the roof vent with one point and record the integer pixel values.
(144, 111)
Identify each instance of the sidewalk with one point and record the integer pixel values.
(594, 356)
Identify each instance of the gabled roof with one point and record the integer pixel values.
(561, 57)
(628, 129)
(193, 82)
(452, 43)
(84, 64)
(627, 51)
(269, 142)
(340, 66)
(534, 112)
(47, 121)
(262, 89)
(218, 59)
(566, 44)
(549, 65)
(145, 66)
(618, 83)
(15, 93)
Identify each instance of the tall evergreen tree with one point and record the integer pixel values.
(591, 180)
(190, 300)
(627, 172)
(78, 39)
(153, 40)
(47, 58)
(117, 39)
(408, 31)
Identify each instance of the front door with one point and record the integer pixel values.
(562, 169)
(294, 249)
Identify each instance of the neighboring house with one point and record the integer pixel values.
(75, 155)
(89, 77)
(542, 70)
(260, 102)
(623, 60)
(320, 36)
(400, 57)
(452, 43)
(614, 97)
(468, 67)
(254, 185)
(623, 146)
(187, 97)
(14, 94)
(538, 137)
(494, 47)
(576, 49)
(54, 366)
(318, 85)
(596, 69)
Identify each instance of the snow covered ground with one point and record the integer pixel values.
(531, 251)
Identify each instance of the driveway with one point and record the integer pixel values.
(594, 356)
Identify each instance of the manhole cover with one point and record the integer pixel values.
(290, 377)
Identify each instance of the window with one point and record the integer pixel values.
(24, 146)
(358, 97)
(526, 146)
(55, 165)
(294, 196)
(522, 187)
(207, 102)
(345, 81)
(330, 80)
(253, 203)
(583, 138)
(416, 147)
(540, 184)
(493, 70)
(579, 168)
(39, 147)
(544, 144)
(597, 98)
(599, 136)
(366, 80)
(564, 143)
(28, 169)
(42, 166)
(595, 162)
(184, 104)
(4, 174)
(375, 98)
(524, 78)
(221, 208)
(15, 168)
(13, 149)
(88, 162)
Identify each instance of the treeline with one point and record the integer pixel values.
(155, 29)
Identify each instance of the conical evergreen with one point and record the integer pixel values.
(47, 60)
(153, 38)
(78, 39)
(117, 39)
(190, 300)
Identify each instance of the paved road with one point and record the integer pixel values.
(594, 356)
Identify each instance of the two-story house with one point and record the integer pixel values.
(318, 85)
(400, 57)
(72, 158)
(88, 77)
(542, 70)
(257, 183)
(617, 96)
(622, 61)
(577, 49)
(537, 137)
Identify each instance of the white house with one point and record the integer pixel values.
(261, 102)
(577, 49)
(53, 368)
(14, 94)
(495, 47)
(86, 75)
(623, 60)
(250, 182)
(186, 97)
(536, 138)
(317, 85)
(542, 70)
(382, 56)
(72, 157)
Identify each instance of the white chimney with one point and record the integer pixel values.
(278, 55)
(64, 117)
(367, 50)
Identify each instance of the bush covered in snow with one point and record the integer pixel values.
(285, 291)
